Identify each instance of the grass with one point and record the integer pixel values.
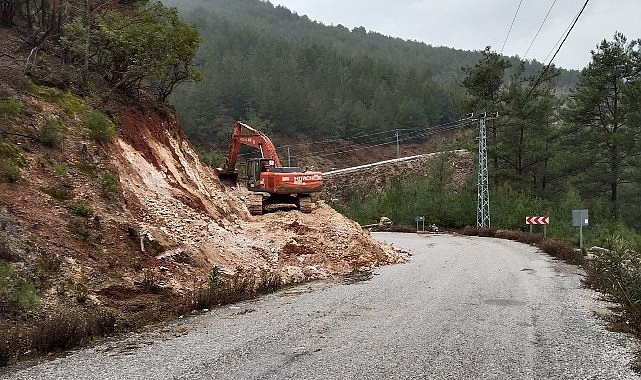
(70, 104)
(224, 290)
(72, 325)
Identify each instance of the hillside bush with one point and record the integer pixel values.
(100, 127)
(109, 185)
(17, 296)
(51, 133)
(81, 209)
(10, 108)
(10, 172)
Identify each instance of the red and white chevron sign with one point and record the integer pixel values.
(537, 220)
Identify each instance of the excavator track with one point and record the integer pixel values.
(305, 203)
(255, 204)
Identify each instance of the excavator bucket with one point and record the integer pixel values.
(228, 178)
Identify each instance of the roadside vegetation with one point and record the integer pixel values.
(67, 69)
(548, 155)
(72, 325)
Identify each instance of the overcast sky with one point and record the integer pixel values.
(475, 24)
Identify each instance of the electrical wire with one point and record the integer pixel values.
(576, 19)
(511, 25)
(425, 133)
(558, 41)
(370, 141)
(391, 140)
(539, 31)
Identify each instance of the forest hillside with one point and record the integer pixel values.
(291, 77)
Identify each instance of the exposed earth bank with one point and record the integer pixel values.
(162, 229)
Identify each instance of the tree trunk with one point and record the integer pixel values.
(7, 12)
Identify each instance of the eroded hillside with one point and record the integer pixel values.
(133, 228)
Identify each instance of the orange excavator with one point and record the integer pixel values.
(272, 185)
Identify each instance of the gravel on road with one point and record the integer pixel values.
(462, 308)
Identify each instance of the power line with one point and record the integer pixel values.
(392, 140)
(545, 70)
(539, 31)
(376, 141)
(511, 25)
(559, 40)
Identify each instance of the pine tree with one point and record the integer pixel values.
(603, 113)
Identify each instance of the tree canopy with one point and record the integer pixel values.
(136, 45)
(265, 62)
(603, 116)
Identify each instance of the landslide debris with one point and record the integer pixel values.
(134, 227)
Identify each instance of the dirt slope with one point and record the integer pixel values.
(160, 232)
(184, 205)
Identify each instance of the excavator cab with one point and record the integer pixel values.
(255, 166)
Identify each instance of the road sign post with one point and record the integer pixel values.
(580, 219)
(544, 220)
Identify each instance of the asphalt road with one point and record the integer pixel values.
(463, 308)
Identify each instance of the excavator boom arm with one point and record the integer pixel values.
(243, 134)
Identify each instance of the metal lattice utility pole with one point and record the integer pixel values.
(483, 202)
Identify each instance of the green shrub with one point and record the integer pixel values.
(17, 296)
(81, 209)
(51, 133)
(617, 271)
(211, 158)
(100, 127)
(10, 172)
(10, 108)
(109, 183)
